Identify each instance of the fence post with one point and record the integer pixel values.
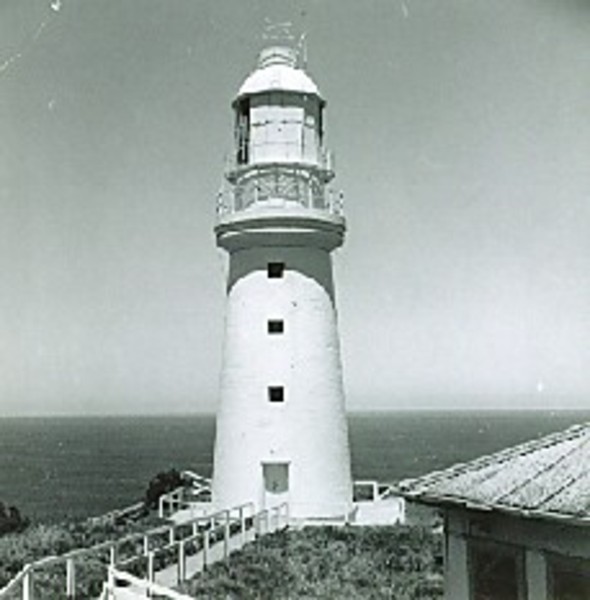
(28, 585)
(205, 548)
(243, 524)
(195, 527)
(181, 562)
(171, 535)
(146, 545)
(226, 535)
(151, 574)
(113, 554)
(256, 525)
(161, 506)
(70, 578)
(111, 583)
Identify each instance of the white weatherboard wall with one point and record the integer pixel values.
(308, 431)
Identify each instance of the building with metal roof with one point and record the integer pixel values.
(517, 522)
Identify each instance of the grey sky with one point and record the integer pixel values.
(462, 135)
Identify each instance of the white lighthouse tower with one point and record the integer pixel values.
(281, 424)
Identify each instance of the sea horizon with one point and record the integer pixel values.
(77, 466)
(568, 407)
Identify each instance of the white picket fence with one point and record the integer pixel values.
(171, 564)
(185, 497)
(150, 562)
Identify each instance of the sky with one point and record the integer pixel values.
(461, 130)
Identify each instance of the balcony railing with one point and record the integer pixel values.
(259, 192)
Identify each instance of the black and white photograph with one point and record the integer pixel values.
(295, 299)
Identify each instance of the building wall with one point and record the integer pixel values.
(308, 430)
(538, 542)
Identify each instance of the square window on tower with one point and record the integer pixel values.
(276, 393)
(275, 270)
(276, 326)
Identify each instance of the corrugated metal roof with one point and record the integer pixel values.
(548, 477)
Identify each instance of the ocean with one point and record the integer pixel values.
(74, 467)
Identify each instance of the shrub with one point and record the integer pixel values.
(162, 483)
(11, 520)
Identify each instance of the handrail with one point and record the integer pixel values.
(224, 515)
(196, 477)
(281, 518)
(113, 515)
(15, 580)
(265, 521)
(111, 545)
(176, 498)
(377, 491)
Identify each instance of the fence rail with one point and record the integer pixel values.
(182, 497)
(135, 548)
(173, 563)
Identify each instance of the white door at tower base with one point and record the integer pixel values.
(276, 483)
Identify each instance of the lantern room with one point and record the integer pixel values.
(278, 117)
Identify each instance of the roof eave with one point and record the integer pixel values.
(464, 503)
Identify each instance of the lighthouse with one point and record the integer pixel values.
(281, 429)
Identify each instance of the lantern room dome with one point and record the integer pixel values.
(277, 71)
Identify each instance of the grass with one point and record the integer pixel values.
(401, 562)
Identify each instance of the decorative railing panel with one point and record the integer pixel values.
(269, 186)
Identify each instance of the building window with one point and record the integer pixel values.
(569, 578)
(275, 270)
(276, 326)
(243, 131)
(497, 572)
(276, 393)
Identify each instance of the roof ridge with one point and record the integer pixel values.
(504, 455)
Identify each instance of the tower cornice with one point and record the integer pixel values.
(280, 227)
